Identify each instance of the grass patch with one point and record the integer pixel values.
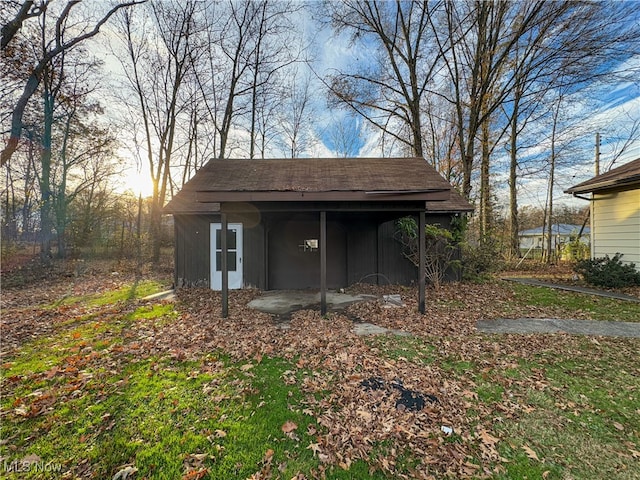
(585, 424)
(598, 308)
(127, 293)
(408, 348)
(162, 416)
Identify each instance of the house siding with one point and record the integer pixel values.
(616, 219)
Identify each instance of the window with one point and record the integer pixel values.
(232, 255)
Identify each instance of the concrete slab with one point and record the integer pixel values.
(364, 328)
(552, 325)
(281, 302)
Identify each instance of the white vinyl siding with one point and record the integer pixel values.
(616, 222)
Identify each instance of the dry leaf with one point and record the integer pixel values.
(530, 453)
(618, 426)
(125, 472)
(289, 426)
(487, 438)
(268, 456)
(315, 448)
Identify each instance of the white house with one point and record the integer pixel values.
(615, 211)
(561, 234)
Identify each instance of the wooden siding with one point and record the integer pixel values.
(360, 248)
(192, 250)
(254, 264)
(362, 252)
(291, 266)
(392, 265)
(616, 229)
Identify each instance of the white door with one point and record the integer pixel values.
(234, 255)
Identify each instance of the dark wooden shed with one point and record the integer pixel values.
(304, 223)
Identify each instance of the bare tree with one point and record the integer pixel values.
(296, 116)
(159, 60)
(345, 135)
(389, 93)
(54, 47)
(476, 39)
(27, 10)
(272, 53)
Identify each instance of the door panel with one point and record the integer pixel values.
(234, 256)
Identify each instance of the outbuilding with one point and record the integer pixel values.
(615, 211)
(312, 223)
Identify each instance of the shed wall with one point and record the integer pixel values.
(192, 255)
(360, 248)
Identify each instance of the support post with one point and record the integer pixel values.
(421, 263)
(323, 263)
(223, 265)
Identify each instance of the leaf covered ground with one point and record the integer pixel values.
(103, 384)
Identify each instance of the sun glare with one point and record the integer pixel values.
(136, 182)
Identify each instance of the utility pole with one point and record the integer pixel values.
(597, 153)
(592, 238)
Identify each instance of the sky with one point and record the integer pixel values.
(613, 112)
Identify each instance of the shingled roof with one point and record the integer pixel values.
(316, 179)
(626, 175)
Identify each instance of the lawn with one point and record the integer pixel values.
(98, 383)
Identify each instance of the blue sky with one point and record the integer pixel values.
(612, 111)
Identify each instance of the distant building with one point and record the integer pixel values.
(561, 234)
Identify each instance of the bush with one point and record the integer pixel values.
(480, 259)
(441, 248)
(608, 272)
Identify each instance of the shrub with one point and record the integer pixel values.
(441, 248)
(480, 259)
(608, 272)
(575, 250)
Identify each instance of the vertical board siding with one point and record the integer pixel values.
(192, 250)
(254, 264)
(291, 267)
(616, 218)
(360, 248)
(362, 253)
(392, 264)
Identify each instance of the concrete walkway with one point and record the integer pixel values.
(572, 288)
(551, 325)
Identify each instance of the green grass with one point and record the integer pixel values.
(581, 421)
(585, 424)
(105, 406)
(107, 409)
(130, 292)
(599, 308)
(408, 348)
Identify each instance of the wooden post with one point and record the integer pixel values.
(421, 264)
(223, 265)
(323, 263)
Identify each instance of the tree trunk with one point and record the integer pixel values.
(46, 224)
(514, 239)
(485, 191)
